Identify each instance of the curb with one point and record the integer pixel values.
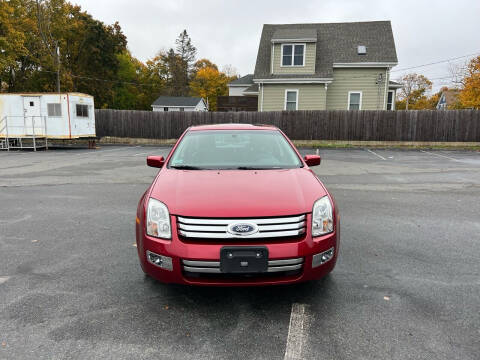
(319, 143)
(334, 144)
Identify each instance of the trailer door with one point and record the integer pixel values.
(32, 115)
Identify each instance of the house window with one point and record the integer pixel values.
(293, 54)
(165, 109)
(32, 103)
(82, 110)
(354, 100)
(54, 109)
(181, 109)
(291, 99)
(390, 100)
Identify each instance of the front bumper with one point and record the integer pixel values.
(182, 252)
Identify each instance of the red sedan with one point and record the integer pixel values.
(236, 204)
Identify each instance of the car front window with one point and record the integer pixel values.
(234, 149)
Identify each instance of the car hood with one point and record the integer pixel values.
(237, 193)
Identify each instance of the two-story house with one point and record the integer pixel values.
(338, 66)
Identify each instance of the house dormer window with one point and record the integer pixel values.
(293, 54)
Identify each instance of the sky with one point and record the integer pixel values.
(227, 32)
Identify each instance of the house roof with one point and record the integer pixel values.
(243, 81)
(177, 101)
(251, 89)
(394, 84)
(294, 34)
(450, 96)
(336, 43)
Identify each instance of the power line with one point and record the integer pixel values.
(346, 78)
(104, 80)
(436, 62)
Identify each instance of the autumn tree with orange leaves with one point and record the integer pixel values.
(209, 83)
(470, 93)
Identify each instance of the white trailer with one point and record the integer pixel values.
(33, 118)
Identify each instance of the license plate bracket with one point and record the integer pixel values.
(243, 259)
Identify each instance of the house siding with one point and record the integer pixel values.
(353, 79)
(309, 68)
(237, 90)
(310, 96)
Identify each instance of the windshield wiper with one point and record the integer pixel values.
(257, 168)
(185, 167)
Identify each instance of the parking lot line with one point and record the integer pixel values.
(374, 153)
(297, 331)
(439, 155)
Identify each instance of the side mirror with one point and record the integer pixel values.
(312, 160)
(155, 161)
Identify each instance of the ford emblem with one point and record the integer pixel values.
(242, 229)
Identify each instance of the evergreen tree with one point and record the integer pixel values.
(186, 53)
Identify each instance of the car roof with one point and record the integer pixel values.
(232, 126)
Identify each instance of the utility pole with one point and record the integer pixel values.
(58, 68)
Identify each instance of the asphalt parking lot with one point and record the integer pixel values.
(406, 286)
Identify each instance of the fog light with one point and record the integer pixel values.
(161, 261)
(322, 258)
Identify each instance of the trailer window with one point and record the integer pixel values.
(54, 109)
(82, 110)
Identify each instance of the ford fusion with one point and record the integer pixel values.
(236, 205)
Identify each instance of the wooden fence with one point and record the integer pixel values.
(422, 125)
(237, 103)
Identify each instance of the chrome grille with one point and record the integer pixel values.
(213, 267)
(217, 228)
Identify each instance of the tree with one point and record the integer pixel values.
(94, 58)
(209, 83)
(414, 88)
(17, 28)
(186, 53)
(132, 87)
(89, 49)
(203, 63)
(12, 38)
(230, 71)
(176, 82)
(470, 93)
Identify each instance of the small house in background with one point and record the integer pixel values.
(179, 103)
(243, 95)
(447, 99)
(27, 120)
(241, 85)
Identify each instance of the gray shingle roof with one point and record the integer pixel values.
(336, 43)
(251, 88)
(293, 34)
(176, 101)
(244, 80)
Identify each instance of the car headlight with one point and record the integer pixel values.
(158, 219)
(322, 217)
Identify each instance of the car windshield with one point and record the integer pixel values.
(234, 149)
